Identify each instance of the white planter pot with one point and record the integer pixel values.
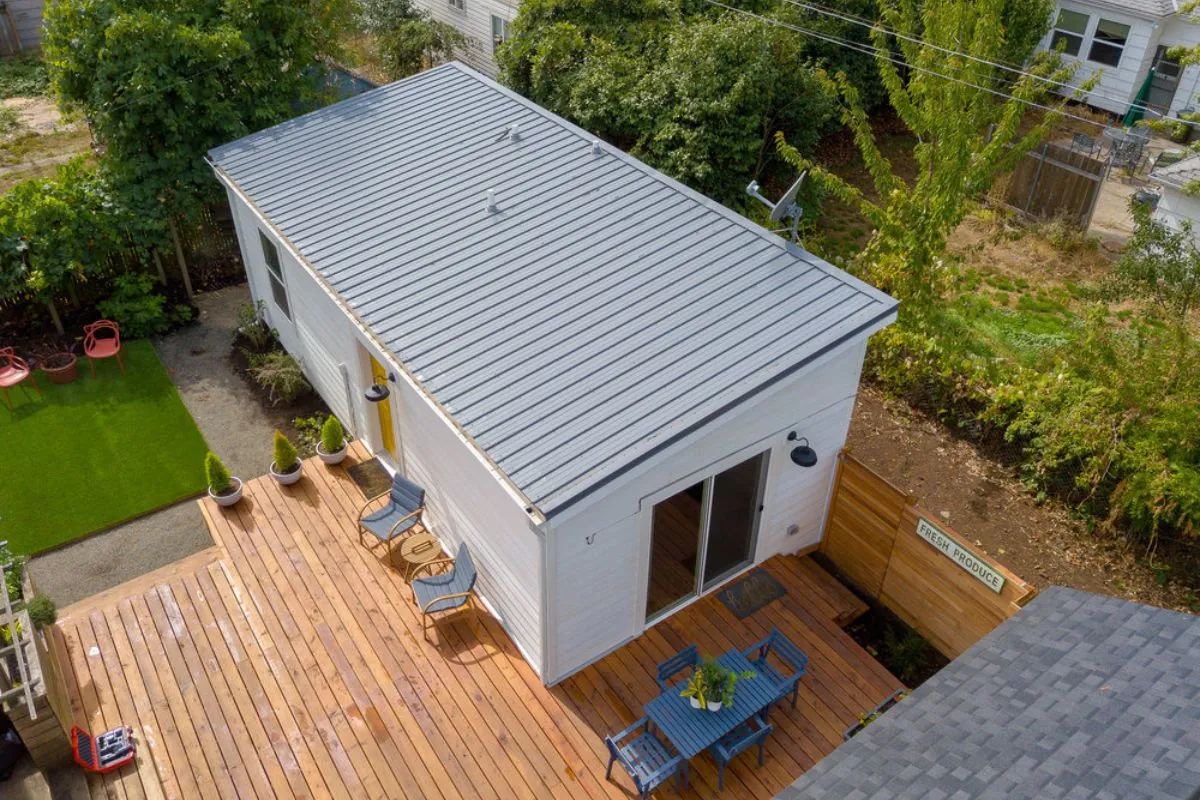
(226, 500)
(333, 458)
(695, 702)
(714, 706)
(288, 478)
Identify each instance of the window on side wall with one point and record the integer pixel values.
(499, 32)
(1068, 32)
(1108, 42)
(461, 5)
(275, 274)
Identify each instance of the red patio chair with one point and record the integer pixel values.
(102, 346)
(13, 370)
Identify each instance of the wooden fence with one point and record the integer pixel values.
(1054, 181)
(871, 535)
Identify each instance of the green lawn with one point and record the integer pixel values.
(92, 453)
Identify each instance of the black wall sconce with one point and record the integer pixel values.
(378, 392)
(803, 455)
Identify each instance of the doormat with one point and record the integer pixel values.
(751, 593)
(371, 477)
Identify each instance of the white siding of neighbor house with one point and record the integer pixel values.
(475, 21)
(1117, 85)
(1180, 31)
(464, 498)
(28, 16)
(596, 592)
(1175, 207)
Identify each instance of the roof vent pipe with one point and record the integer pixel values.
(595, 147)
(490, 204)
(514, 132)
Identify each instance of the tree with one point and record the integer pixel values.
(407, 39)
(1162, 264)
(966, 137)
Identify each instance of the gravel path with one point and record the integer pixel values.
(235, 426)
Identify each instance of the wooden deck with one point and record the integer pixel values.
(288, 661)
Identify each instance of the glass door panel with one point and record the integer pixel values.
(733, 518)
(674, 549)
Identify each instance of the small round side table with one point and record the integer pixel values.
(418, 549)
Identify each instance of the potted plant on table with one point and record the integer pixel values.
(712, 686)
(222, 487)
(332, 447)
(287, 467)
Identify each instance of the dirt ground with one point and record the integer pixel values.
(986, 503)
(43, 140)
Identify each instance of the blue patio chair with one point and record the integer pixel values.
(400, 515)
(645, 757)
(785, 651)
(752, 732)
(687, 658)
(446, 591)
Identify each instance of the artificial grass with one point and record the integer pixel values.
(87, 455)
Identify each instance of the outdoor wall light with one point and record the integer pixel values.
(803, 455)
(378, 392)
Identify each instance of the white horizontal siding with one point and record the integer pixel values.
(1175, 208)
(1117, 86)
(475, 21)
(28, 16)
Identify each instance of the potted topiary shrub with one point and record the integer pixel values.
(712, 686)
(287, 467)
(332, 447)
(222, 487)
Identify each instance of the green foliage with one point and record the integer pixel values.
(333, 437)
(23, 76)
(906, 655)
(217, 474)
(139, 310)
(959, 154)
(1162, 264)
(15, 574)
(286, 458)
(252, 325)
(9, 629)
(695, 93)
(10, 120)
(416, 44)
(1024, 23)
(712, 683)
(42, 611)
(308, 430)
(280, 374)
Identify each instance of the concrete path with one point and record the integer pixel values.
(235, 426)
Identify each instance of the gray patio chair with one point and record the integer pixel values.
(400, 515)
(645, 757)
(752, 732)
(1082, 143)
(446, 591)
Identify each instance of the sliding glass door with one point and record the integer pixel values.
(703, 534)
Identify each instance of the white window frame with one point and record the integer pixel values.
(279, 292)
(1108, 45)
(457, 5)
(1059, 33)
(499, 32)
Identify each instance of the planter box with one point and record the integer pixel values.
(874, 714)
(61, 368)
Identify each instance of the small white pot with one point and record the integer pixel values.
(288, 478)
(695, 702)
(333, 458)
(226, 500)
(714, 705)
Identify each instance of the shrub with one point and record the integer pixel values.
(9, 120)
(285, 454)
(42, 611)
(23, 77)
(333, 437)
(254, 328)
(15, 573)
(139, 310)
(308, 433)
(280, 374)
(219, 479)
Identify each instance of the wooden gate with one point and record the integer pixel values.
(871, 535)
(1054, 181)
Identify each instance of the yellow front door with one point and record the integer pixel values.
(379, 374)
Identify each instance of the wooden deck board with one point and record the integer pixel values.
(289, 661)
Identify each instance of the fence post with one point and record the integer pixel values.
(1037, 175)
(187, 279)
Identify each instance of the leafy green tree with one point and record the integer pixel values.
(1162, 264)
(966, 137)
(407, 39)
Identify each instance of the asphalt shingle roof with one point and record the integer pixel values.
(601, 312)
(1077, 696)
(1147, 8)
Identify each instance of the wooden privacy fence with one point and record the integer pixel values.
(1054, 181)
(881, 540)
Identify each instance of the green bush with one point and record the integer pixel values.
(16, 572)
(280, 374)
(9, 120)
(333, 437)
(286, 459)
(219, 479)
(23, 77)
(254, 328)
(139, 310)
(42, 611)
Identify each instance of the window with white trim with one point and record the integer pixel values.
(1068, 32)
(499, 32)
(461, 5)
(1108, 42)
(275, 274)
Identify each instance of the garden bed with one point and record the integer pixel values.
(903, 651)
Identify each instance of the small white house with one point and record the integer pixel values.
(601, 377)
(1179, 203)
(1124, 39)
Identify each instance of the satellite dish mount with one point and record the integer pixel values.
(786, 208)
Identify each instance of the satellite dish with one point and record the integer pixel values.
(786, 208)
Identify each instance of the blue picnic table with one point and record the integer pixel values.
(693, 730)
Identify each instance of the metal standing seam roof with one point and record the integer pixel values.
(1076, 696)
(598, 313)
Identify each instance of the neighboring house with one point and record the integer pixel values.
(21, 24)
(1076, 696)
(484, 22)
(601, 376)
(1179, 202)
(1125, 38)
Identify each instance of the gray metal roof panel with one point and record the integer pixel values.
(602, 312)
(1181, 174)
(1078, 695)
